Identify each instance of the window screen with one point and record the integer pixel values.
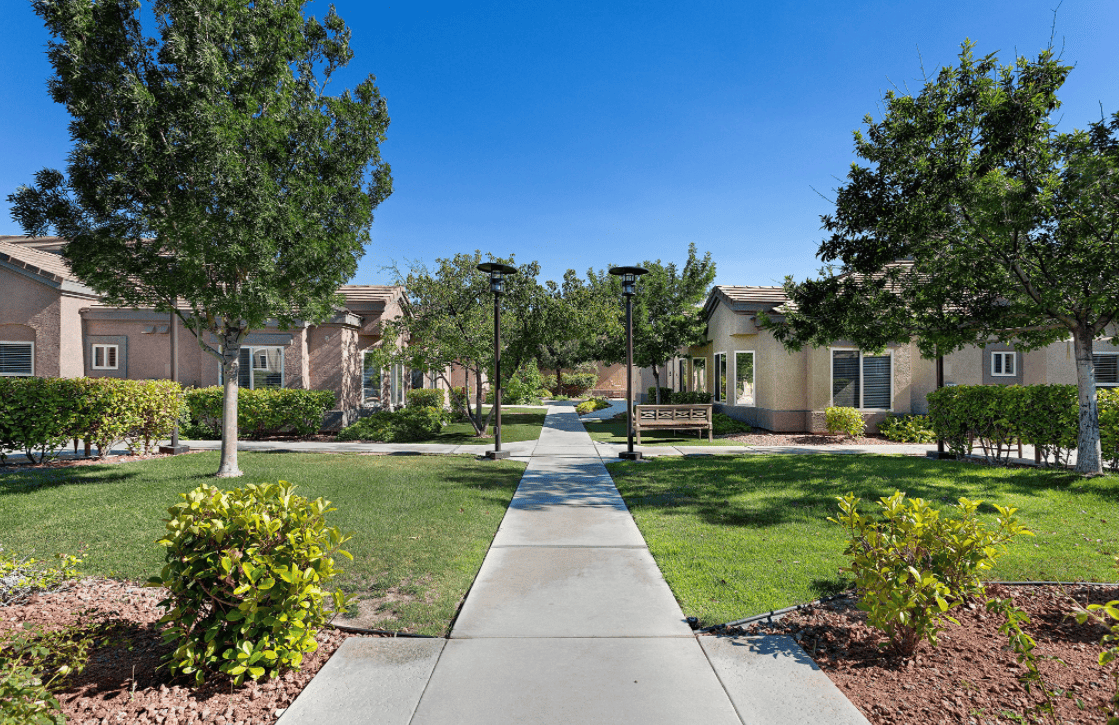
(876, 381)
(16, 358)
(1107, 369)
(845, 379)
(744, 378)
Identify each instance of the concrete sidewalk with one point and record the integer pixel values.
(570, 621)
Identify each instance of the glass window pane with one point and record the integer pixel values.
(720, 376)
(744, 378)
(1107, 369)
(370, 379)
(699, 375)
(268, 367)
(876, 381)
(845, 378)
(1008, 363)
(996, 363)
(244, 369)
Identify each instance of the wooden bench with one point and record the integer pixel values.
(673, 417)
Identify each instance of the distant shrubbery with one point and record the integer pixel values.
(590, 406)
(678, 397)
(526, 387)
(261, 412)
(723, 424)
(39, 416)
(403, 426)
(575, 384)
(426, 398)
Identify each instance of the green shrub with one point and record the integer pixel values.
(426, 398)
(590, 406)
(907, 429)
(690, 397)
(722, 424)
(22, 576)
(575, 384)
(460, 402)
(913, 566)
(1108, 399)
(246, 574)
(666, 396)
(1107, 616)
(847, 421)
(38, 415)
(525, 387)
(261, 412)
(403, 426)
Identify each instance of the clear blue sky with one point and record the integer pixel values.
(585, 133)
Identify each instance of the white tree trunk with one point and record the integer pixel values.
(657, 383)
(1089, 457)
(230, 365)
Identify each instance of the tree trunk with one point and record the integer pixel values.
(657, 382)
(559, 381)
(230, 367)
(1089, 456)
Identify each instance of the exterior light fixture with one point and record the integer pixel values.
(629, 277)
(497, 273)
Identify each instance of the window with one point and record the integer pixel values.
(1107, 369)
(682, 378)
(861, 381)
(261, 367)
(396, 385)
(417, 380)
(744, 378)
(1002, 364)
(699, 375)
(105, 357)
(17, 359)
(370, 379)
(720, 376)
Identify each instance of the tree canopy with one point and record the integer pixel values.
(210, 166)
(973, 220)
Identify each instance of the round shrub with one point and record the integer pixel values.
(848, 421)
(426, 398)
(722, 424)
(245, 574)
(907, 429)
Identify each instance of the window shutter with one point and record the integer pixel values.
(1107, 369)
(15, 358)
(876, 381)
(845, 378)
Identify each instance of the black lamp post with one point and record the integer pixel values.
(497, 274)
(629, 277)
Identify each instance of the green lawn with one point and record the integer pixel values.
(421, 524)
(614, 431)
(517, 424)
(741, 535)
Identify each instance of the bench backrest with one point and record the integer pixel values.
(673, 412)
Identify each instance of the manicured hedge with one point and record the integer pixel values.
(39, 416)
(680, 397)
(996, 417)
(402, 426)
(260, 413)
(426, 398)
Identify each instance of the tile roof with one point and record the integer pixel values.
(382, 293)
(765, 295)
(45, 264)
(45, 244)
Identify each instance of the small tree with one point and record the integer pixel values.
(666, 312)
(974, 220)
(210, 169)
(578, 317)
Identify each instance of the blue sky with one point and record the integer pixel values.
(583, 133)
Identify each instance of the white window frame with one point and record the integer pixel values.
(753, 380)
(252, 351)
(104, 347)
(1098, 383)
(862, 386)
(1005, 355)
(21, 342)
(715, 387)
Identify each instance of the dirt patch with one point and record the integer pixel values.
(124, 682)
(23, 465)
(972, 676)
(763, 438)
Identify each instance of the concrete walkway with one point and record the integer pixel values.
(570, 621)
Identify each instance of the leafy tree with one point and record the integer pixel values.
(666, 313)
(210, 166)
(579, 316)
(974, 220)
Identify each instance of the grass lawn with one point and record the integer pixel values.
(517, 424)
(741, 535)
(421, 524)
(614, 431)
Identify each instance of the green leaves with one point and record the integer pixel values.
(249, 604)
(913, 566)
(848, 421)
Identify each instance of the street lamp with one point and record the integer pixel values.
(629, 277)
(497, 274)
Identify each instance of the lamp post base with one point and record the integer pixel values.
(174, 450)
(630, 455)
(497, 455)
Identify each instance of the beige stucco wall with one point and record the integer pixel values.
(27, 305)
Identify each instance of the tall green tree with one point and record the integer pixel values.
(579, 316)
(210, 165)
(972, 220)
(666, 311)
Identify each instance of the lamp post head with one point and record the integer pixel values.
(629, 277)
(497, 274)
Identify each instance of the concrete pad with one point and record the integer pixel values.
(368, 680)
(772, 681)
(552, 449)
(565, 681)
(570, 592)
(536, 522)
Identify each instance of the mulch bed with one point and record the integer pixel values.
(972, 676)
(124, 683)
